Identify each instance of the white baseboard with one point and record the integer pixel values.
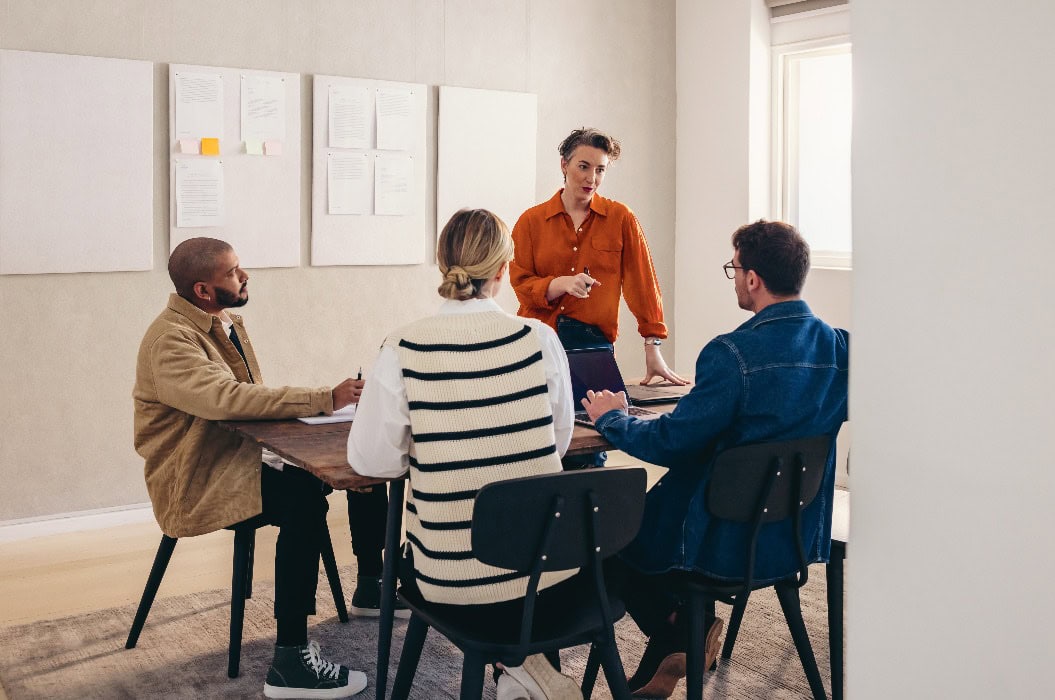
(79, 521)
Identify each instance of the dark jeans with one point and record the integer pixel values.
(294, 502)
(575, 335)
(367, 511)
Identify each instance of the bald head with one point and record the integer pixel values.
(195, 260)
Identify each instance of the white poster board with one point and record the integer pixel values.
(486, 157)
(368, 172)
(250, 195)
(76, 163)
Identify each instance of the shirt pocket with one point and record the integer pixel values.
(607, 244)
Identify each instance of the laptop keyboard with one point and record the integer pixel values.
(635, 411)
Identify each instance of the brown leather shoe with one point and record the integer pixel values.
(672, 667)
(671, 670)
(713, 644)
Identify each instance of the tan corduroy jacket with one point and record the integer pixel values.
(189, 375)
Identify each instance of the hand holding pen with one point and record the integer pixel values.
(348, 391)
(580, 284)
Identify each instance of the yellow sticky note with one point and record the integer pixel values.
(254, 147)
(210, 147)
(272, 148)
(187, 146)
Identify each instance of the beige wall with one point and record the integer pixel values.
(68, 342)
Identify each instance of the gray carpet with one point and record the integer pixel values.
(182, 652)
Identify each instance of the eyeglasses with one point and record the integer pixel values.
(730, 269)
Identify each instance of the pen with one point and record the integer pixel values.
(586, 271)
(360, 375)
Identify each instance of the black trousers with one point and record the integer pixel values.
(650, 599)
(367, 511)
(294, 501)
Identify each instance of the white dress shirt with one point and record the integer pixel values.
(379, 441)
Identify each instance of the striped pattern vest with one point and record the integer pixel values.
(479, 412)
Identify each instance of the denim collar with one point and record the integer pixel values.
(796, 308)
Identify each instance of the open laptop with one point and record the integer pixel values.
(595, 368)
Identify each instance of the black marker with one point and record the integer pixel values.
(360, 375)
(586, 271)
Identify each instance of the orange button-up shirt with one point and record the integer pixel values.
(610, 243)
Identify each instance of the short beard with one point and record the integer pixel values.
(230, 301)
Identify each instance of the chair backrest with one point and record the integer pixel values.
(511, 518)
(765, 483)
(740, 481)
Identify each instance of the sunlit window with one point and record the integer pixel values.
(813, 147)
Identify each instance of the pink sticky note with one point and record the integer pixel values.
(188, 146)
(272, 148)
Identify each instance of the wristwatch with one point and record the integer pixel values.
(653, 341)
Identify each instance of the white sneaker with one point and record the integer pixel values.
(543, 682)
(510, 689)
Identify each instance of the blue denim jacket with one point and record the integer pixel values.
(781, 375)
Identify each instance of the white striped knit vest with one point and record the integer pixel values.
(479, 412)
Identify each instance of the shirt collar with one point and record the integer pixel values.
(200, 318)
(469, 306)
(796, 308)
(555, 205)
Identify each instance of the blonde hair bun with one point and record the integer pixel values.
(473, 247)
(457, 284)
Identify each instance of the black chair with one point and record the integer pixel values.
(758, 484)
(531, 525)
(241, 584)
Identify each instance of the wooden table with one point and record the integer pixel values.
(323, 451)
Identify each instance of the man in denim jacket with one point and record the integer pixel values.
(781, 375)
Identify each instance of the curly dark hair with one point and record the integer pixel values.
(776, 252)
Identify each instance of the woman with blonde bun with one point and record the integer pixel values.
(442, 390)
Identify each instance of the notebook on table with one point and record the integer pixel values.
(595, 368)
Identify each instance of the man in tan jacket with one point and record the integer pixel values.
(196, 366)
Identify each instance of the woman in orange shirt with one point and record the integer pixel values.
(575, 253)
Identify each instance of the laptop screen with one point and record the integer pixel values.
(593, 368)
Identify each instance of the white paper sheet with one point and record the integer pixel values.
(394, 119)
(199, 105)
(341, 415)
(349, 117)
(199, 193)
(348, 183)
(263, 108)
(392, 179)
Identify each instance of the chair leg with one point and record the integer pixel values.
(329, 562)
(249, 570)
(834, 574)
(243, 548)
(472, 676)
(413, 642)
(694, 670)
(614, 673)
(789, 603)
(157, 572)
(589, 676)
(735, 618)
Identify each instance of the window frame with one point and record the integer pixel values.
(785, 155)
